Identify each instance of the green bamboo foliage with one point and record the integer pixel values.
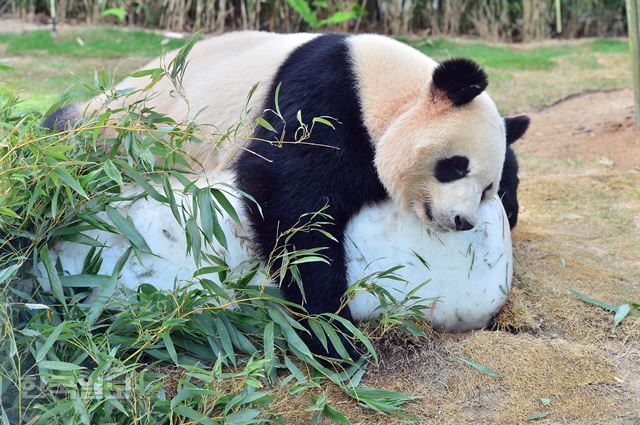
(508, 20)
(86, 351)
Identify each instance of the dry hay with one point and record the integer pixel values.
(516, 316)
(578, 379)
(559, 247)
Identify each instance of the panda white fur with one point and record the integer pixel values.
(422, 136)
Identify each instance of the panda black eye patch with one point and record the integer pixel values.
(451, 169)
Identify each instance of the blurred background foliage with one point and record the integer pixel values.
(496, 20)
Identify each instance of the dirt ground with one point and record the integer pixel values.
(557, 359)
(597, 127)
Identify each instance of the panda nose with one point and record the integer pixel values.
(462, 224)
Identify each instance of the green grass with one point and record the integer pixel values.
(516, 58)
(42, 82)
(96, 42)
(607, 45)
(525, 77)
(45, 66)
(493, 56)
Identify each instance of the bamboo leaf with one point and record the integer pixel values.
(593, 301)
(101, 300)
(63, 366)
(73, 183)
(242, 417)
(222, 200)
(338, 18)
(189, 413)
(209, 270)
(294, 370)
(171, 349)
(318, 331)
(171, 199)
(112, 172)
(127, 228)
(335, 415)
(310, 259)
(48, 343)
(52, 274)
(153, 72)
(304, 10)
(264, 123)
(384, 401)
(84, 281)
(225, 340)
(205, 208)
(324, 121)
(8, 212)
(621, 312)
(8, 272)
(193, 239)
(536, 416)
(246, 195)
(276, 99)
(335, 339)
(475, 365)
(31, 306)
(3, 413)
(357, 333)
(141, 181)
(269, 346)
(118, 12)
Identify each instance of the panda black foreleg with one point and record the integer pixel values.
(515, 128)
(508, 190)
(324, 286)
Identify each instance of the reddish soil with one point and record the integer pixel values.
(592, 127)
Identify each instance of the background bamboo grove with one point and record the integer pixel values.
(496, 20)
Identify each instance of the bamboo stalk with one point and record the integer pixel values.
(558, 17)
(490, 19)
(222, 14)
(363, 6)
(256, 24)
(243, 14)
(197, 25)
(634, 44)
(53, 16)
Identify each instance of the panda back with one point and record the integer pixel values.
(220, 74)
(334, 166)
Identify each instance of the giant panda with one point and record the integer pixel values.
(421, 135)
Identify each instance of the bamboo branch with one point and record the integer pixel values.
(634, 45)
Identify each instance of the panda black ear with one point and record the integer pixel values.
(516, 127)
(461, 79)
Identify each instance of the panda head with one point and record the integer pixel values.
(444, 154)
